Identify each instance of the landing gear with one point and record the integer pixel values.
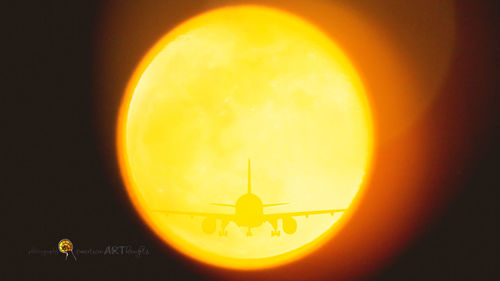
(223, 231)
(249, 232)
(275, 231)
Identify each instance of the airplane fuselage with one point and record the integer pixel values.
(249, 211)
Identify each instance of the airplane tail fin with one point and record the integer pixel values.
(249, 178)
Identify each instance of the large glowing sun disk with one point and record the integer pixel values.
(236, 83)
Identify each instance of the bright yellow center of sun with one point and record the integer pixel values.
(238, 83)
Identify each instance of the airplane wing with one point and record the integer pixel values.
(226, 217)
(299, 214)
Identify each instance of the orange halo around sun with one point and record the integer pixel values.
(342, 128)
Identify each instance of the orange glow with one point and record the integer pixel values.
(401, 195)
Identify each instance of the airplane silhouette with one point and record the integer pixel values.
(249, 212)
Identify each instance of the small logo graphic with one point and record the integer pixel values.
(65, 246)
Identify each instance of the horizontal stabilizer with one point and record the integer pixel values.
(275, 204)
(224, 205)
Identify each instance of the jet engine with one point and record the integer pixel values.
(208, 225)
(289, 225)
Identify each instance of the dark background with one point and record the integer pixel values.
(64, 186)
